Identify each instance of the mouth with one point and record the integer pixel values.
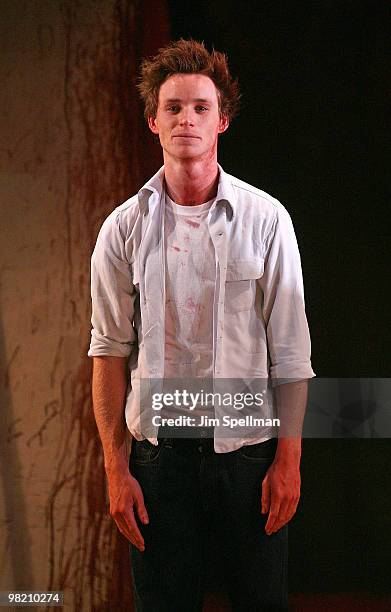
(185, 136)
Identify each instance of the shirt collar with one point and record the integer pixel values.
(155, 185)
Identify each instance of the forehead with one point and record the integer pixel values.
(187, 87)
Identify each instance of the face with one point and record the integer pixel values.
(187, 120)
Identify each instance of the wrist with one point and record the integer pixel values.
(289, 450)
(115, 463)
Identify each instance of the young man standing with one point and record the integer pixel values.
(198, 278)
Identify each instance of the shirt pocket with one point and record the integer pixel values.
(240, 284)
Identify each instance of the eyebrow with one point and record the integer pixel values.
(203, 100)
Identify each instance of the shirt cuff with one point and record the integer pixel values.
(290, 372)
(101, 346)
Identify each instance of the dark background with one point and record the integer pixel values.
(312, 132)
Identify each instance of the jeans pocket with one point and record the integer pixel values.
(263, 451)
(144, 452)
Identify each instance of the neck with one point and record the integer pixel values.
(191, 183)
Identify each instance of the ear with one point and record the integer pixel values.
(223, 124)
(153, 125)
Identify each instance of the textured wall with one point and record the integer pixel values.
(71, 150)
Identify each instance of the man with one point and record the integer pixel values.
(198, 278)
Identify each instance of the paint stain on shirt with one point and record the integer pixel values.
(192, 223)
(191, 305)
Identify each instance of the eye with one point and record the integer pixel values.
(173, 108)
(201, 109)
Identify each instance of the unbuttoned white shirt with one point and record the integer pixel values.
(260, 329)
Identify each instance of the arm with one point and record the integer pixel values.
(290, 366)
(108, 392)
(108, 395)
(112, 341)
(281, 485)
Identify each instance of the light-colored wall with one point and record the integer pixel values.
(72, 142)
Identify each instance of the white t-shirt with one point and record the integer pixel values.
(190, 285)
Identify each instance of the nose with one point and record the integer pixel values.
(186, 117)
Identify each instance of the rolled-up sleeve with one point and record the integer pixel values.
(112, 294)
(288, 337)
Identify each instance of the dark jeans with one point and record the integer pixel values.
(193, 494)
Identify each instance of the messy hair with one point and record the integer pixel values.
(192, 57)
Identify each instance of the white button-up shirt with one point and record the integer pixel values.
(259, 322)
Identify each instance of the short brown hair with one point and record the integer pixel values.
(188, 56)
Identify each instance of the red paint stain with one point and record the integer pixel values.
(192, 223)
(191, 305)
